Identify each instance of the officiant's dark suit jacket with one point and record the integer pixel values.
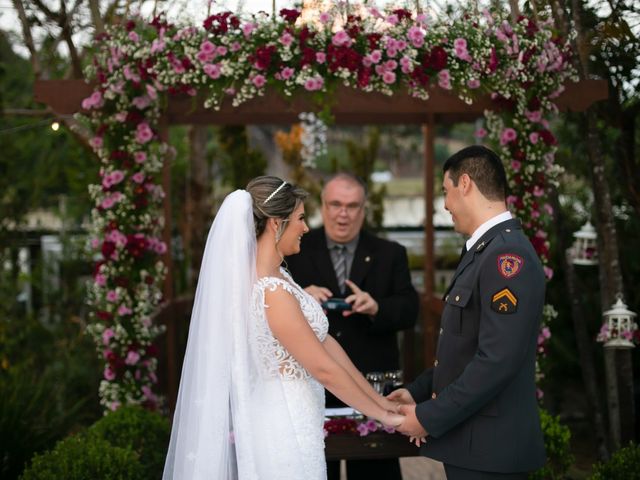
(379, 267)
(478, 402)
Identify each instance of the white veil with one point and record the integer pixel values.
(230, 422)
(214, 386)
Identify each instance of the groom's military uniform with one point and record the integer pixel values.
(478, 402)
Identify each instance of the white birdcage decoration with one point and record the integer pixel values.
(619, 327)
(584, 250)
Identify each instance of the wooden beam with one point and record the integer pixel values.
(349, 106)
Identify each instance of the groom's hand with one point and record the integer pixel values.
(401, 396)
(411, 426)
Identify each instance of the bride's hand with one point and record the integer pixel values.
(391, 419)
(389, 405)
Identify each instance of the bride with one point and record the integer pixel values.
(251, 398)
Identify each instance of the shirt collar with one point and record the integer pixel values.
(350, 246)
(486, 226)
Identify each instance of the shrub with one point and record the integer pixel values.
(82, 458)
(556, 442)
(623, 465)
(31, 417)
(141, 431)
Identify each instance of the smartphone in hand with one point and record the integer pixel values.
(336, 304)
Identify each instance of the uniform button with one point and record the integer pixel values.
(338, 334)
(457, 298)
(441, 330)
(433, 396)
(508, 230)
(446, 298)
(435, 364)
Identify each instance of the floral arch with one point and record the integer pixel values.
(521, 67)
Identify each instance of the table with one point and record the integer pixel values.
(351, 446)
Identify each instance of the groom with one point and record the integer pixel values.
(477, 405)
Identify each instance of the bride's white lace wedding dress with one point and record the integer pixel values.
(301, 457)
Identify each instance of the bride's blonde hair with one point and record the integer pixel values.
(272, 197)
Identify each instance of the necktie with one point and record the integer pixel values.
(340, 265)
(463, 252)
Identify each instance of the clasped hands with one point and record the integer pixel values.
(360, 301)
(405, 405)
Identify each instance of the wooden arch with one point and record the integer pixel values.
(349, 106)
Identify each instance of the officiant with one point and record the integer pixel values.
(342, 261)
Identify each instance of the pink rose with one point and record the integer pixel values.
(124, 310)
(207, 47)
(538, 191)
(132, 357)
(508, 135)
(416, 36)
(341, 38)
(96, 142)
(107, 335)
(133, 36)
(480, 133)
(213, 70)
(286, 73)
(534, 137)
(321, 57)
(143, 133)
(388, 77)
(473, 83)
(109, 374)
(247, 29)
(259, 81)
(392, 19)
(375, 56)
(444, 79)
(286, 39)
(140, 157)
(516, 165)
(100, 280)
(235, 46)
(138, 177)
(325, 17)
(112, 296)
(141, 102)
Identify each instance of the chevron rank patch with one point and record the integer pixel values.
(504, 301)
(509, 265)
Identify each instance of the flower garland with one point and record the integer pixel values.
(522, 66)
(351, 426)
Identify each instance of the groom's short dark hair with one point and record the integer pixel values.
(483, 166)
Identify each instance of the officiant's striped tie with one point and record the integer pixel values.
(340, 265)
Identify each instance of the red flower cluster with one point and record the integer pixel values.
(340, 425)
(220, 22)
(289, 15)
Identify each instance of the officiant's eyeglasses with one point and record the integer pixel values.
(350, 208)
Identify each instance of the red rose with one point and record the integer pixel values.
(262, 56)
(435, 59)
(108, 248)
(102, 315)
(373, 39)
(401, 13)
(493, 60)
(289, 15)
(547, 137)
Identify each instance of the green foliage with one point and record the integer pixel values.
(556, 442)
(240, 163)
(623, 465)
(32, 417)
(134, 428)
(83, 458)
(362, 159)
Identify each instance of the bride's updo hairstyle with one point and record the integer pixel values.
(273, 198)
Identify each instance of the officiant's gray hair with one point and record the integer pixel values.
(267, 205)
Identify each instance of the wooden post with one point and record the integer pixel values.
(167, 288)
(430, 320)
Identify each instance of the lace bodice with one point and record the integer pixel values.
(272, 355)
